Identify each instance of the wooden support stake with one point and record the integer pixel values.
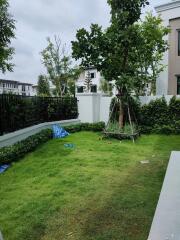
(131, 124)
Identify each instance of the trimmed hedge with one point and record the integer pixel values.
(156, 117)
(18, 112)
(95, 127)
(160, 118)
(15, 152)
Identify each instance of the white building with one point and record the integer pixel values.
(169, 81)
(96, 79)
(15, 87)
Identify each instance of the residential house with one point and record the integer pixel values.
(96, 80)
(16, 87)
(168, 82)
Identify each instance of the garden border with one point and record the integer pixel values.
(14, 137)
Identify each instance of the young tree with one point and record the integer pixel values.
(88, 82)
(153, 47)
(58, 66)
(7, 27)
(43, 88)
(116, 51)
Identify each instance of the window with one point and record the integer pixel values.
(178, 85)
(92, 75)
(23, 88)
(178, 43)
(80, 89)
(94, 89)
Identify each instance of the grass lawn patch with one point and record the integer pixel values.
(98, 190)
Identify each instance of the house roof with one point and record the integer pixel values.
(15, 82)
(167, 6)
(8, 81)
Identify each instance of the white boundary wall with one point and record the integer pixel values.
(11, 138)
(94, 107)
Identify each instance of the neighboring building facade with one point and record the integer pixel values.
(15, 87)
(168, 82)
(96, 87)
(96, 79)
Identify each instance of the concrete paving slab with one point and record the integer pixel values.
(166, 222)
(1, 237)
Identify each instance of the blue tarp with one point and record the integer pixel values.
(3, 168)
(59, 132)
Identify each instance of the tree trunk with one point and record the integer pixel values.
(121, 114)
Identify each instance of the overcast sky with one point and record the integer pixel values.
(38, 19)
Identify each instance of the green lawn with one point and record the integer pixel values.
(97, 191)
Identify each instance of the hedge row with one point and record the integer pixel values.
(13, 153)
(155, 117)
(160, 117)
(20, 149)
(95, 127)
(18, 112)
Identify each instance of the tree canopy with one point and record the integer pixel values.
(59, 67)
(43, 88)
(7, 27)
(126, 50)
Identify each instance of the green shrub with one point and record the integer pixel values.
(145, 129)
(155, 113)
(164, 129)
(174, 109)
(177, 127)
(85, 126)
(15, 152)
(160, 118)
(18, 112)
(155, 117)
(73, 128)
(95, 127)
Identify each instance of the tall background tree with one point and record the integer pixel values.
(116, 51)
(43, 88)
(59, 67)
(7, 27)
(152, 48)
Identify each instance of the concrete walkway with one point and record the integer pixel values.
(1, 237)
(166, 223)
